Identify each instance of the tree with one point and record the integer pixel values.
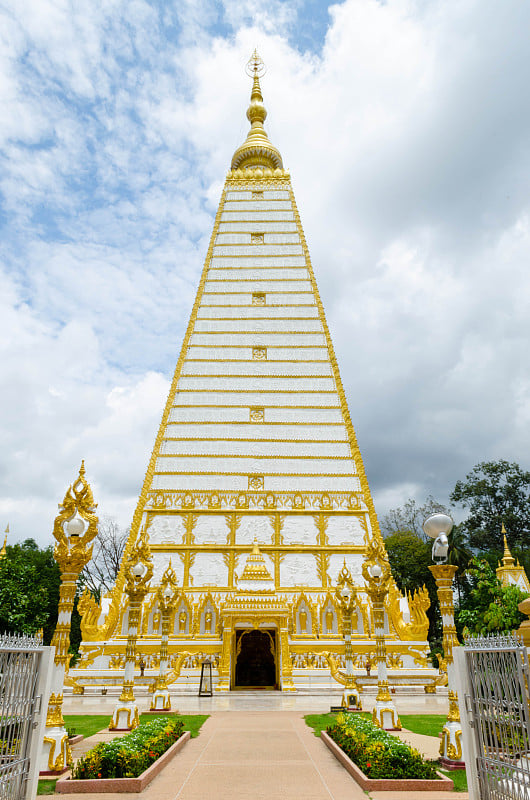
(410, 557)
(99, 575)
(490, 605)
(29, 587)
(495, 492)
(411, 516)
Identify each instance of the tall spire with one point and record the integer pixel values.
(256, 150)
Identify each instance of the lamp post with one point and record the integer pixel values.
(166, 595)
(377, 574)
(74, 528)
(438, 527)
(138, 572)
(346, 594)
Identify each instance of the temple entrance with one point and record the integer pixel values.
(255, 659)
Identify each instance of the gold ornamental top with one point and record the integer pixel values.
(255, 568)
(256, 150)
(508, 560)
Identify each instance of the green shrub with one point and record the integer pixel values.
(128, 756)
(377, 753)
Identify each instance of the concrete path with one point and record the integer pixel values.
(261, 755)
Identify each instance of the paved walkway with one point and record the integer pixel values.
(256, 755)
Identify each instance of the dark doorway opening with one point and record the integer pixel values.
(255, 659)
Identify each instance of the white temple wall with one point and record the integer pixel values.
(258, 448)
(255, 527)
(299, 530)
(257, 312)
(345, 530)
(210, 529)
(258, 368)
(257, 285)
(208, 569)
(243, 429)
(165, 529)
(299, 569)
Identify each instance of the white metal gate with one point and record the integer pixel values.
(23, 669)
(498, 709)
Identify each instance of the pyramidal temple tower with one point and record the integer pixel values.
(255, 490)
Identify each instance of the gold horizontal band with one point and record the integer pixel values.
(245, 422)
(263, 474)
(255, 455)
(260, 439)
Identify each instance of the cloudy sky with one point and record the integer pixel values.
(406, 128)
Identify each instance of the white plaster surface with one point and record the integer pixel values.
(244, 216)
(354, 563)
(198, 414)
(299, 530)
(257, 383)
(259, 325)
(258, 312)
(254, 285)
(233, 483)
(209, 569)
(299, 569)
(161, 563)
(253, 431)
(167, 528)
(292, 340)
(255, 448)
(252, 527)
(264, 205)
(256, 250)
(211, 529)
(256, 398)
(259, 272)
(268, 367)
(301, 483)
(345, 530)
(313, 415)
(257, 227)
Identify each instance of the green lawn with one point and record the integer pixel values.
(428, 724)
(46, 787)
(87, 724)
(458, 776)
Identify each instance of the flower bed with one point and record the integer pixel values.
(129, 756)
(379, 761)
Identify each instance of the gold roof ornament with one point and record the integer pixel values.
(255, 568)
(3, 551)
(509, 572)
(507, 560)
(256, 150)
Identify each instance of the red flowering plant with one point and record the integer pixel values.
(128, 756)
(377, 753)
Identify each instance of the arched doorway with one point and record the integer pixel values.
(255, 659)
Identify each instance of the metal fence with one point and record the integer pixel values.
(24, 666)
(497, 709)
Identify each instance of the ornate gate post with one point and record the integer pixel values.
(138, 572)
(438, 526)
(376, 572)
(167, 595)
(72, 552)
(223, 684)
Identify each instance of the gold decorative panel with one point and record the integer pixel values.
(257, 414)
(257, 238)
(256, 483)
(257, 195)
(258, 299)
(259, 353)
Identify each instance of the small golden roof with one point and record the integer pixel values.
(256, 150)
(255, 568)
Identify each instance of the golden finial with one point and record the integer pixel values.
(82, 468)
(507, 560)
(3, 551)
(256, 151)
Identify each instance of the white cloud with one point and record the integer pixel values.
(406, 136)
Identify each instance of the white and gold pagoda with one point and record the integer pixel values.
(255, 489)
